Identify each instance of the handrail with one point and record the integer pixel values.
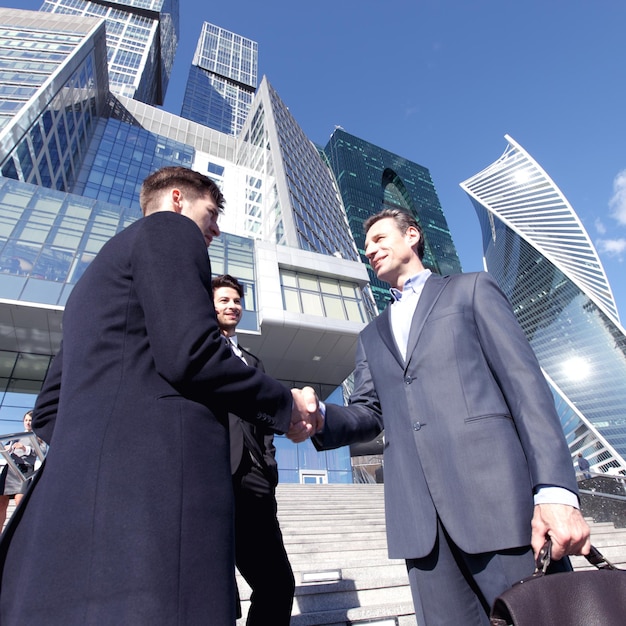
(603, 497)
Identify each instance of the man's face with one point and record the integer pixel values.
(204, 212)
(390, 251)
(228, 309)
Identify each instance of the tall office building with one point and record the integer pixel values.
(305, 209)
(53, 87)
(370, 179)
(306, 293)
(543, 259)
(141, 36)
(222, 80)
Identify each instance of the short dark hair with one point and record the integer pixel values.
(226, 280)
(403, 219)
(192, 183)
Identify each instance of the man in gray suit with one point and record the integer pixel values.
(477, 469)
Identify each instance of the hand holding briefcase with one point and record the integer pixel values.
(588, 598)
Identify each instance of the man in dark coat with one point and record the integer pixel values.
(477, 469)
(130, 518)
(259, 549)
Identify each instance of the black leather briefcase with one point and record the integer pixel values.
(584, 598)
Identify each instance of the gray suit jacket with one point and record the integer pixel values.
(470, 425)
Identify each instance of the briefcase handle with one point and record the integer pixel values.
(595, 557)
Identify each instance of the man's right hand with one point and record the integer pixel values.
(306, 419)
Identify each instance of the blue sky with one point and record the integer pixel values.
(441, 82)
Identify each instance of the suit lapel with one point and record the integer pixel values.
(250, 358)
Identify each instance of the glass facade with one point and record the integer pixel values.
(21, 377)
(255, 153)
(122, 157)
(370, 179)
(141, 36)
(47, 239)
(222, 80)
(543, 259)
(45, 129)
(311, 210)
(322, 296)
(29, 54)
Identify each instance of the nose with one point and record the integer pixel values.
(370, 250)
(215, 229)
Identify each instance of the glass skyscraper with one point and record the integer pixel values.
(53, 88)
(222, 80)
(371, 178)
(539, 252)
(305, 209)
(141, 37)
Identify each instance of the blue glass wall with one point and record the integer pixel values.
(140, 55)
(51, 150)
(215, 102)
(222, 80)
(124, 157)
(581, 350)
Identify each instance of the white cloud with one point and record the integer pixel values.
(612, 247)
(600, 227)
(617, 203)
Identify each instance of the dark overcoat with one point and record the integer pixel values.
(471, 430)
(130, 520)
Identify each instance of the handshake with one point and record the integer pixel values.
(306, 418)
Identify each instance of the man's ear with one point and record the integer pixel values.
(413, 235)
(176, 197)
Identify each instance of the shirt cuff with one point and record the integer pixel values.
(322, 409)
(547, 494)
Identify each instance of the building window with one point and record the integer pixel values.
(321, 296)
(216, 169)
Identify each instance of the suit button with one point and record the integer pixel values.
(416, 425)
(408, 380)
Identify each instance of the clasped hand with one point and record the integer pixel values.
(306, 419)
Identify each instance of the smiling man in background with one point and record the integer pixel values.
(259, 549)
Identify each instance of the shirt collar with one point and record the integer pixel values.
(415, 284)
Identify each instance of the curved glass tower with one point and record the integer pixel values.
(543, 259)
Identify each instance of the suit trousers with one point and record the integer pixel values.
(261, 558)
(450, 586)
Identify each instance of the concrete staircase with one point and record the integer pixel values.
(335, 538)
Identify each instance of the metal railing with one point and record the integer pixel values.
(603, 498)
